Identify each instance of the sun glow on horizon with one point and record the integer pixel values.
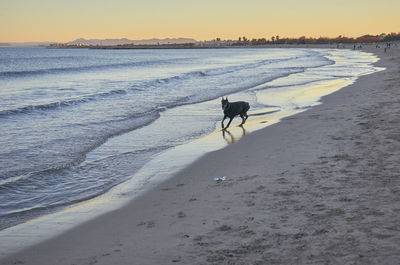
(62, 21)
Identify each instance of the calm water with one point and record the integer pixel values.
(59, 106)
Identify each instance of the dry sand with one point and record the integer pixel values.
(321, 187)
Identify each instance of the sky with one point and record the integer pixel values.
(67, 20)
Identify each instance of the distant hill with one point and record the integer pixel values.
(111, 42)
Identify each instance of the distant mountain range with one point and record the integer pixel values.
(107, 42)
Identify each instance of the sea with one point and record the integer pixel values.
(65, 113)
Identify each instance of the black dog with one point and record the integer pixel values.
(233, 109)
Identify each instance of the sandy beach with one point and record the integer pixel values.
(320, 187)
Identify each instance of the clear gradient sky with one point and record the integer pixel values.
(66, 20)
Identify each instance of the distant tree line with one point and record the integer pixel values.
(321, 40)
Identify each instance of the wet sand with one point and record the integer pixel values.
(320, 187)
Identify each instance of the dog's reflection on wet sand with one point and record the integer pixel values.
(230, 138)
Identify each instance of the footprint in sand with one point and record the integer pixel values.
(181, 215)
(148, 224)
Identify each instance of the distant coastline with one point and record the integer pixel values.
(226, 46)
(186, 43)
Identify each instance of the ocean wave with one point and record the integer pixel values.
(59, 104)
(73, 153)
(62, 186)
(84, 68)
(209, 72)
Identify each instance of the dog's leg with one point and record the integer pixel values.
(229, 123)
(243, 120)
(222, 122)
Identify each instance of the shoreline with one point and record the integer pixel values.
(186, 216)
